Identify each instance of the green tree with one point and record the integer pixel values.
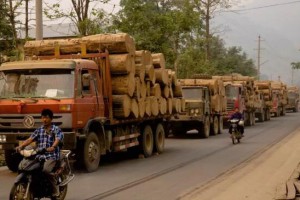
(158, 25)
(295, 65)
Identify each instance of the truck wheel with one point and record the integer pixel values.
(221, 125)
(147, 141)
(283, 110)
(205, 130)
(12, 159)
(159, 138)
(215, 126)
(91, 152)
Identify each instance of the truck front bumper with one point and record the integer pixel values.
(9, 140)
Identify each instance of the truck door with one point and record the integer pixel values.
(206, 100)
(86, 97)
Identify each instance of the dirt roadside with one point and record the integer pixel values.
(256, 179)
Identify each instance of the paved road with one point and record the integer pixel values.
(186, 164)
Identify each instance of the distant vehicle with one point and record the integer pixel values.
(293, 99)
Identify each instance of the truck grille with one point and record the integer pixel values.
(230, 105)
(24, 121)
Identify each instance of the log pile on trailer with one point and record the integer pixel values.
(141, 84)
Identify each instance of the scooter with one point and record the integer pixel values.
(32, 183)
(236, 135)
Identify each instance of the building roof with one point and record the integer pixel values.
(61, 30)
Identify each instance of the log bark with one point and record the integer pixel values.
(155, 91)
(166, 91)
(137, 91)
(148, 85)
(114, 43)
(154, 106)
(161, 76)
(177, 91)
(169, 105)
(175, 105)
(121, 106)
(159, 60)
(148, 107)
(123, 84)
(143, 89)
(150, 74)
(142, 107)
(162, 104)
(121, 63)
(143, 57)
(134, 108)
(140, 71)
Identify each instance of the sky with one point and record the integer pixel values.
(277, 22)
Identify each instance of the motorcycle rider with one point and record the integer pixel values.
(237, 115)
(47, 137)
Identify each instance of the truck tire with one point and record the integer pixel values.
(147, 141)
(221, 124)
(261, 117)
(205, 128)
(159, 138)
(91, 152)
(214, 129)
(12, 159)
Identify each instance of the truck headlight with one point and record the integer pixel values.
(2, 138)
(192, 111)
(197, 111)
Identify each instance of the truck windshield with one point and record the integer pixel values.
(231, 91)
(292, 95)
(192, 93)
(37, 83)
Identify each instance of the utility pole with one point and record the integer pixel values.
(258, 58)
(39, 20)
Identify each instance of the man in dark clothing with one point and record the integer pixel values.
(237, 115)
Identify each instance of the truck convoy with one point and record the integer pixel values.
(293, 99)
(204, 109)
(105, 95)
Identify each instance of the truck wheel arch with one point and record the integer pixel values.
(98, 128)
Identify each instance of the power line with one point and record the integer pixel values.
(262, 7)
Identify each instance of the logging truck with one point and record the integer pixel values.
(105, 95)
(264, 93)
(240, 94)
(205, 106)
(293, 99)
(279, 92)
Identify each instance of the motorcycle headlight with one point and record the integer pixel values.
(2, 138)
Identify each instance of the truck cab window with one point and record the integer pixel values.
(85, 82)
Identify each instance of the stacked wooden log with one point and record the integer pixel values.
(141, 84)
(264, 87)
(281, 90)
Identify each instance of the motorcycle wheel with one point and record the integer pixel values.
(62, 189)
(18, 191)
(233, 139)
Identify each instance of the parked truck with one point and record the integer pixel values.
(280, 99)
(264, 93)
(90, 83)
(293, 99)
(205, 106)
(240, 94)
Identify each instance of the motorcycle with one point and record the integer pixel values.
(236, 135)
(32, 183)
